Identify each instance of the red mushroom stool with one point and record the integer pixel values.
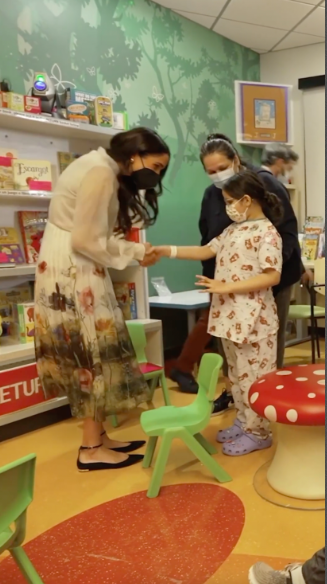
(295, 399)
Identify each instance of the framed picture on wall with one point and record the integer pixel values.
(263, 113)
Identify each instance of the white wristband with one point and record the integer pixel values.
(173, 252)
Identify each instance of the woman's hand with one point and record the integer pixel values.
(213, 286)
(151, 257)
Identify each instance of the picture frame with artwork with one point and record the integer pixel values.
(263, 113)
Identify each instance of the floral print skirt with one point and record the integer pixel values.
(83, 349)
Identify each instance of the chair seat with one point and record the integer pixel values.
(155, 422)
(147, 368)
(303, 311)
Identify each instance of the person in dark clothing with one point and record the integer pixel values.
(312, 572)
(221, 160)
(277, 164)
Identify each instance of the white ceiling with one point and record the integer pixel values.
(261, 25)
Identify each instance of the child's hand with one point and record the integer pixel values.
(213, 286)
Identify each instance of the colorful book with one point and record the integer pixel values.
(27, 171)
(6, 173)
(23, 318)
(126, 297)
(32, 226)
(8, 152)
(10, 249)
(310, 247)
(8, 297)
(65, 159)
(314, 225)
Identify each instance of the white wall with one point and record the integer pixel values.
(288, 67)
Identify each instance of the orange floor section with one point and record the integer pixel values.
(195, 533)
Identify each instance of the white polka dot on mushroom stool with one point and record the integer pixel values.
(312, 395)
(262, 381)
(321, 382)
(319, 372)
(254, 397)
(301, 379)
(292, 416)
(282, 373)
(280, 386)
(271, 413)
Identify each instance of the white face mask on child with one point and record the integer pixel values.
(236, 215)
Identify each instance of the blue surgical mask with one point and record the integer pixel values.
(221, 178)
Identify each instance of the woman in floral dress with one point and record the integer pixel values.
(83, 348)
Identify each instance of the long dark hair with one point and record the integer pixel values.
(221, 144)
(249, 183)
(132, 206)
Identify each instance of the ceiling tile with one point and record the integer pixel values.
(202, 19)
(295, 39)
(206, 7)
(244, 34)
(314, 24)
(281, 14)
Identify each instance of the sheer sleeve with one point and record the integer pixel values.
(90, 234)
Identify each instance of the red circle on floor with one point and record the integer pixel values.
(182, 537)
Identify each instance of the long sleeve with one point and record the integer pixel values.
(91, 235)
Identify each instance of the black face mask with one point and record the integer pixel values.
(145, 178)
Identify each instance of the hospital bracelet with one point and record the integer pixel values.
(173, 252)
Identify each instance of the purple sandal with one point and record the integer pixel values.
(246, 444)
(230, 433)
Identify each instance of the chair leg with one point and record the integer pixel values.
(147, 461)
(165, 389)
(153, 385)
(25, 565)
(160, 466)
(206, 445)
(313, 342)
(218, 472)
(317, 338)
(114, 421)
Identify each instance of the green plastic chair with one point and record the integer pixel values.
(313, 313)
(151, 372)
(16, 494)
(185, 423)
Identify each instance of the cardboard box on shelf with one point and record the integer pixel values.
(32, 105)
(103, 111)
(15, 101)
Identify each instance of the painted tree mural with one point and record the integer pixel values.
(167, 72)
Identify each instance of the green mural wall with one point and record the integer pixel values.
(167, 72)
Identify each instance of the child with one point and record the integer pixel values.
(243, 310)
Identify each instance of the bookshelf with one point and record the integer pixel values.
(41, 138)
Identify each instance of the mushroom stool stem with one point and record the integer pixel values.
(298, 468)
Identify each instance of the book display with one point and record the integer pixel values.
(36, 153)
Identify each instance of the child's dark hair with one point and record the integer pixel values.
(249, 183)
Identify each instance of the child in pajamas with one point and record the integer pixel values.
(243, 309)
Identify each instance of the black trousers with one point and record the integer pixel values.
(314, 570)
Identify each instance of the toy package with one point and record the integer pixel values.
(103, 112)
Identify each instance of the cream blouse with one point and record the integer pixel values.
(85, 203)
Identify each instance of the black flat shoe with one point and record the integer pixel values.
(90, 466)
(136, 445)
(185, 381)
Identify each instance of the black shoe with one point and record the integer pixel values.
(222, 404)
(90, 466)
(186, 381)
(136, 445)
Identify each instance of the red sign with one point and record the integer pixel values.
(20, 388)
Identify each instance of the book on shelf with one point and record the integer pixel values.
(23, 322)
(10, 250)
(65, 159)
(8, 297)
(310, 247)
(32, 226)
(6, 173)
(28, 173)
(314, 225)
(126, 297)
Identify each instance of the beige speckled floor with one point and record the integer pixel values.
(61, 492)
